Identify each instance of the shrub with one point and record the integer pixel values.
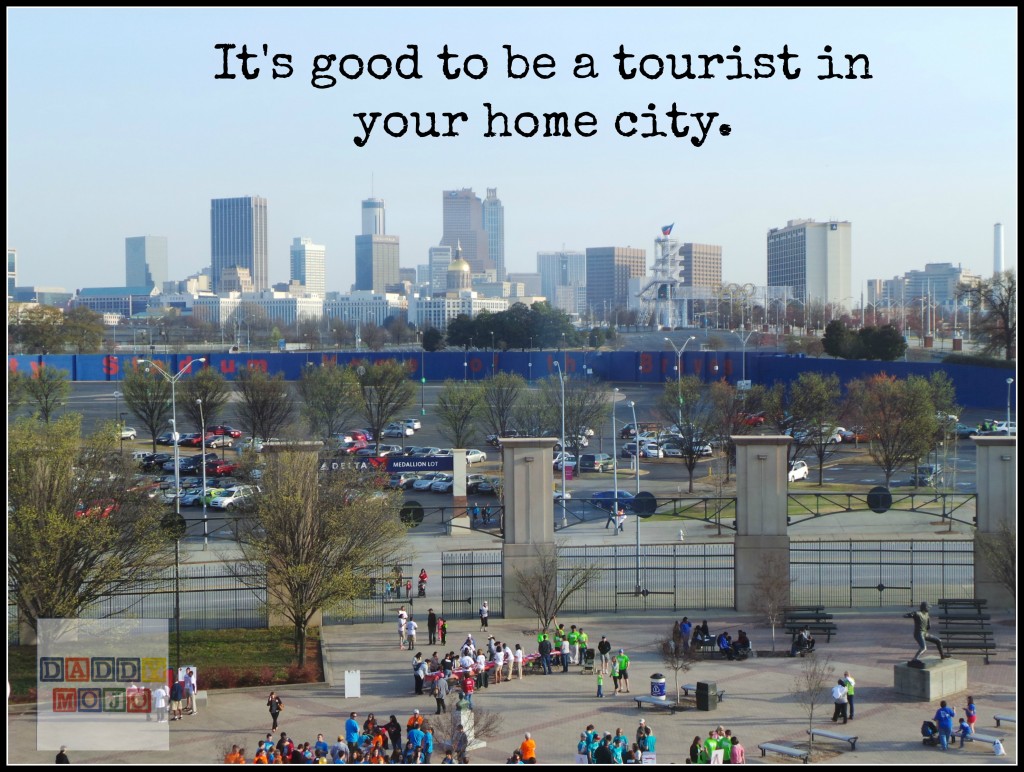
(221, 677)
(302, 674)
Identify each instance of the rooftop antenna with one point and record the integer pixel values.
(371, 185)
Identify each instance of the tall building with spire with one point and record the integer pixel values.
(238, 238)
(376, 251)
(494, 226)
(463, 223)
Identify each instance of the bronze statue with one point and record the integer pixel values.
(922, 634)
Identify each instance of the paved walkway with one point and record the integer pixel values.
(758, 706)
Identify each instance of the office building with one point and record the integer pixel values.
(529, 281)
(307, 266)
(494, 227)
(145, 261)
(814, 259)
(439, 258)
(463, 223)
(238, 238)
(563, 280)
(700, 265)
(373, 217)
(609, 270)
(376, 263)
(12, 271)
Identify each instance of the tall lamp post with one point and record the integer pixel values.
(637, 589)
(202, 430)
(679, 375)
(561, 381)
(743, 340)
(177, 495)
(494, 353)
(423, 375)
(120, 419)
(1009, 393)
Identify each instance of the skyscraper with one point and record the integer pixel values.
(307, 265)
(376, 252)
(12, 271)
(494, 226)
(609, 270)
(238, 237)
(563, 280)
(373, 217)
(439, 258)
(813, 258)
(145, 261)
(463, 223)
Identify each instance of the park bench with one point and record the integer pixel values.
(785, 750)
(949, 604)
(656, 702)
(981, 738)
(961, 614)
(1007, 719)
(970, 641)
(788, 609)
(832, 735)
(808, 616)
(828, 629)
(687, 688)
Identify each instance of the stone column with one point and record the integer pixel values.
(529, 514)
(997, 495)
(761, 508)
(459, 502)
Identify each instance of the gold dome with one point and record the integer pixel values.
(459, 264)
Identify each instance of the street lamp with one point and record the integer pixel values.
(117, 412)
(679, 373)
(465, 364)
(1009, 392)
(615, 460)
(494, 353)
(202, 430)
(743, 340)
(561, 381)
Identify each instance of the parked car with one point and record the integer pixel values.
(628, 450)
(413, 422)
(562, 495)
(606, 500)
(397, 430)
(165, 438)
(96, 508)
(422, 451)
(474, 456)
(152, 461)
(230, 431)
(234, 497)
(128, 433)
(855, 434)
(444, 453)
(752, 419)
(568, 460)
(219, 441)
(927, 475)
(495, 440)
(425, 481)
(357, 434)
(350, 447)
(964, 432)
(651, 450)
(256, 443)
(221, 468)
(490, 485)
(596, 462)
(443, 483)
(473, 482)
(798, 470)
(403, 480)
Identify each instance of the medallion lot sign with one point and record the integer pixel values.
(400, 464)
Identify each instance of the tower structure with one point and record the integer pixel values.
(494, 226)
(238, 238)
(307, 265)
(376, 251)
(463, 224)
(145, 261)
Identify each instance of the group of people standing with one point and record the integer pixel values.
(721, 746)
(615, 748)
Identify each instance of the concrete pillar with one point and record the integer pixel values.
(459, 502)
(529, 514)
(761, 508)
(997, 498)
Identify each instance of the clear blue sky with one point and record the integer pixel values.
(117, 127)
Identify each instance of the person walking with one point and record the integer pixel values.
(484, 614)
(604, 648)
(971, 713)
(403, 617)
(419, 668)
(839, 697)
(176, 695)
(441, 690)
(275, 706)
(410, 632)
(431, 627)
(544, 649)
(850, 684)
(623, 661)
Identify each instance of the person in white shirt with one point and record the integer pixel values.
(566, 655)
(518, 654)
(410, 633)
(481, 666)
(508, 660)
(160, 703)
(402, 619)
(499, 662)
(465, 661)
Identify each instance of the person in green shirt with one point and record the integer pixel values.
(574, 645)
(623, 663)
(711, 744)
(725, 745)
(581, 653)
(600, 684)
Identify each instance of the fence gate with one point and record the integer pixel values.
(383, 592)
(851, 574)
(467, 580)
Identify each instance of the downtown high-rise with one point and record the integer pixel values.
(145, 261)
(307, 265)
(493, 212)
(238, 239)
(376, 251)
(462, 217)
(813, 259)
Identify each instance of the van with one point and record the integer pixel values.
(596, 462)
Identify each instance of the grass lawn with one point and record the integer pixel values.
(223, 658)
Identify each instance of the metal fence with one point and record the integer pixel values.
(467, 580)
(855, 574)
(211, 598)
(385, 593)
(666, 576)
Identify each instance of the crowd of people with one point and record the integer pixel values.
(694, 637)
(719, 747)
(615, 747)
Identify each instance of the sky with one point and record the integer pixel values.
(117, 127)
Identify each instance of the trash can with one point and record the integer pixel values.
(707, 695)
(658, 686)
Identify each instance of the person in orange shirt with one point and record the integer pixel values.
(232, 756)
(241, 756)
(528, 749)
(260, 757)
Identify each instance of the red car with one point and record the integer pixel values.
(97, 508)
(752, 419)
(353, 446)
(230, 431)
(221, 468)
(196, 440)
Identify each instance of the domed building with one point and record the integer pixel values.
(460, 275)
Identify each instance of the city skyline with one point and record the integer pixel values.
(921, 159)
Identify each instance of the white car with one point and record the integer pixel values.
(398, 430)
(425, 481)
(562, 495)
(413, 422)
(474, 456)
(563, 458)
(127, 433)
(651, 450)
(233, 496)
(443, 483)
(798, 471)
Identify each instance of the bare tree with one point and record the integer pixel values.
(458, 405)
(996, 301)
(319, 536)
(501, 394)
(49, 389)
(384, 391)
(774, 584)
(729, 414)
(483, 724)
(675, 656)
(811, 687)
(688, 402)
(209, 386)
(266, 406)
(148, 396)
(999, 551)
(544, 590)
(587, 404)
(329, 398)
(815, 402)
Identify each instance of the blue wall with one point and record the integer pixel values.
(976, 387)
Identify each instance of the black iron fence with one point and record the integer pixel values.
(851, 574)
(468, 578)
(387, 589)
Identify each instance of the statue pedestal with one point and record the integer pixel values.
(466, 719)
(930, 678)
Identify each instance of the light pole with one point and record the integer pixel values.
(120, 421)
(743, 340)
(1009, 393)
(494, 353)
(465, 364)
(423, 375)
(561, 381)
(202, 429)
(632, 406)
(679, 374)
(637, 588)
(565, 355)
